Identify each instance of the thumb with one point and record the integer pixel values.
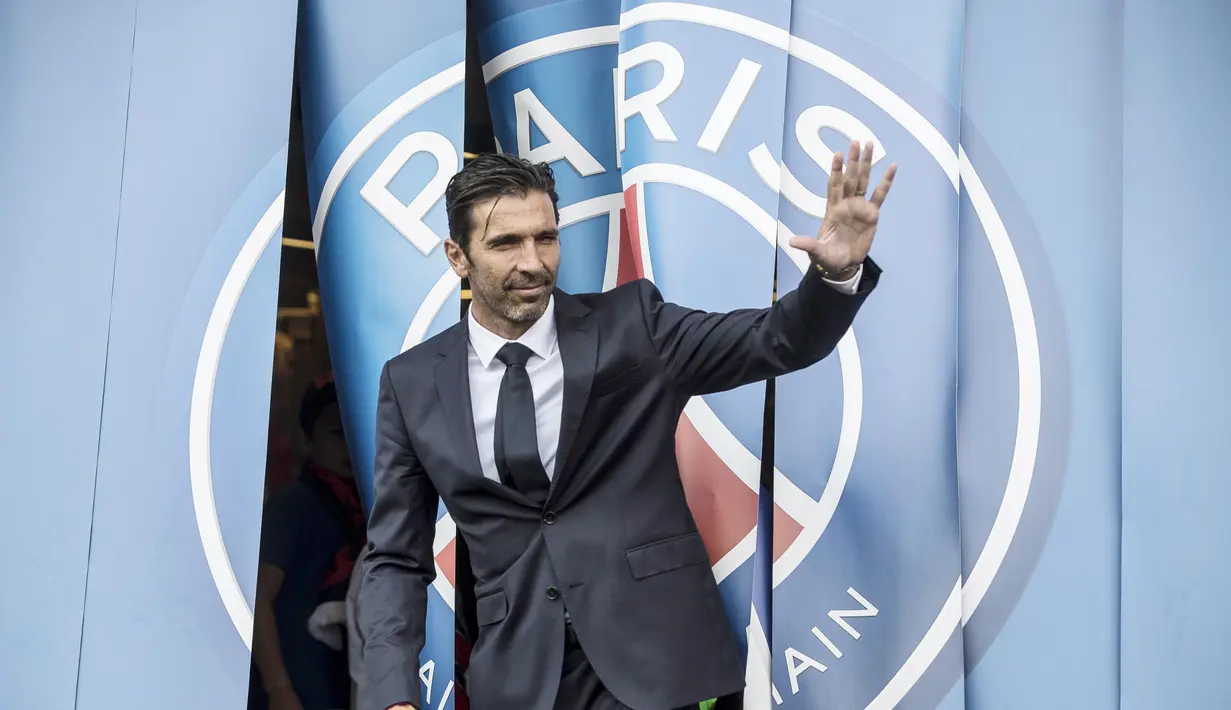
(802, 243)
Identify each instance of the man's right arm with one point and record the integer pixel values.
(705, 352)
(399, 566)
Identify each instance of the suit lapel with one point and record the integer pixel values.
(453, 387)
(577, 338)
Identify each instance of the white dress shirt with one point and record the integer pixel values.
(546, 372)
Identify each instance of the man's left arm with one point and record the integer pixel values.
(711, 352)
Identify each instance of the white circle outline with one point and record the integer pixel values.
(201, 412)
(964, 599)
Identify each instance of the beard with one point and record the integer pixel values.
(521, 312)
(504, 301)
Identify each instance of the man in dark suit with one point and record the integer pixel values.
(547, 421)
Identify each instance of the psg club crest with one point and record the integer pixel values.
(689, 143)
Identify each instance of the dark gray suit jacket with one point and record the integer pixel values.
(614, 541)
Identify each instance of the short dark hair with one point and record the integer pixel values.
(493, 175)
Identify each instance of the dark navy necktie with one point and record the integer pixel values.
(517, 442)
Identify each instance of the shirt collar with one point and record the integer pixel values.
(540, 338)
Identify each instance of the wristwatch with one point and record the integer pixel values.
(845, 274)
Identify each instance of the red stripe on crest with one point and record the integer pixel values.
(447, 559)
(630, 266)
(786, 530)
(723, 506)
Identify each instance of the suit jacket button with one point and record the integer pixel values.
(553, 593)
(549, 518)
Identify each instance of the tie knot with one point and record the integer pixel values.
(514, 354)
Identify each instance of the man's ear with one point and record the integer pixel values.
(457, 259)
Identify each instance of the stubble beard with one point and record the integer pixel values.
(522, 313)
(504, 305)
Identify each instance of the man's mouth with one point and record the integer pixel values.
(533, 290)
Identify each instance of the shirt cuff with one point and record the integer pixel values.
(849, 286)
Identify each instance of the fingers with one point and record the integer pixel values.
(882, 190)
(834, 194)
(865, 170)
(851, 181)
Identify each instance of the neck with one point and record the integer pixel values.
(500, 326)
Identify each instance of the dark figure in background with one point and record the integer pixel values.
(546, 422)
(313, 531)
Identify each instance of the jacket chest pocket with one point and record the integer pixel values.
(620, 379)
(667, 555)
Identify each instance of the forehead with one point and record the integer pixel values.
(515, 215)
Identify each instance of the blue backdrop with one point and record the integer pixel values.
(947, 502)
(1175, 453)
(1005, 491)
(383, 117)
(176, 523)
(65, 102)
(147, 152)
(1063, 546)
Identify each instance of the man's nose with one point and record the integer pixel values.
(528, 258)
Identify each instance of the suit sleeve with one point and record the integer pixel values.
(399, 565)
(705, 352)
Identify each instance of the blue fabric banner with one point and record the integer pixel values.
(1038, 383)
(695, 95)
(64, 76)
(548, 68)
(381, 86)
(867, 561)
(1174, 620)
(177, 503)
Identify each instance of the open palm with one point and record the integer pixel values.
(846, 234)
